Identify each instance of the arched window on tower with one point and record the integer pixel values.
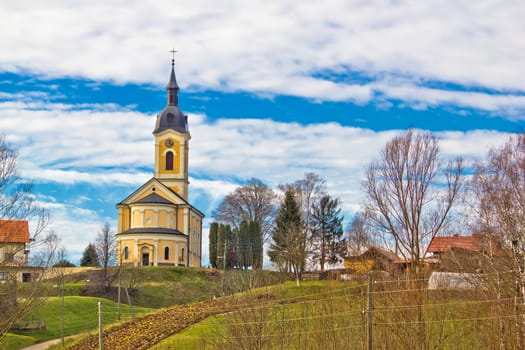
(169, 161)
(126, 253)
(166, 253)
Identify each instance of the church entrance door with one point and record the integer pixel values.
(145, 259)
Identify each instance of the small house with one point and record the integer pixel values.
(373, 259)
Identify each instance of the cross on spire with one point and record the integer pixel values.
(173, 51)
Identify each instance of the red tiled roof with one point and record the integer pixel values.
(444, 244)
(14, 231)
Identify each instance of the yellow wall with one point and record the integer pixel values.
(134, 257)
(131, 249)
(360, 266)
(163, 218)
(175, 189)
(125, 218)
(180, 220)
(182, 260)
(176, 156)
(149, 218)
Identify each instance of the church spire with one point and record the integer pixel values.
(173, 87)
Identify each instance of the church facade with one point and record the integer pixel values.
(157, 226)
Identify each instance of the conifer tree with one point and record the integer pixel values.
(214, 228)
(288, 249)
(244, 246)
(327, 232)
(221, 246)
(256, 244)
(89, 257)
(225, 240)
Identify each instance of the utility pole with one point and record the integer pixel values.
(369, 313)
(100, 332)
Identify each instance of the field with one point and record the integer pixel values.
(149, 288)
(403, 314)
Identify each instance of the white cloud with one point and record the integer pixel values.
(109, 149)
(280, 48)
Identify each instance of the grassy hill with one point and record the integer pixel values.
(80, 315)
(317, 314)
(148, 288)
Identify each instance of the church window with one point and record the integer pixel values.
(166, 253)
(126, 253)
(181, 259)
(169, 161)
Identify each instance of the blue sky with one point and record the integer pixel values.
(272, 90)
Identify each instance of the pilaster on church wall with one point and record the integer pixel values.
(157, 157)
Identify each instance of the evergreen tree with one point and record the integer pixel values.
(90, 257)
(225, 240)
(256, 244)
(214, 228)
(231, 254)
(327, 232)
(288, 249)
(244, 247)
(221, 246)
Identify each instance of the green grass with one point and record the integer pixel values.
(209, 331)
(80, 314)
(16, 341)
(149, 287)
(192, 337)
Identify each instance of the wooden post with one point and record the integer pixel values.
(63, 310)
(370, 308)
(100, 331)
(118, 294)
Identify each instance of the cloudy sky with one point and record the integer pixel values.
(273, 89)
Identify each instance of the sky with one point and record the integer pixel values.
(272, 90)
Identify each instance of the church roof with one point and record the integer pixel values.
(171, 117)
(154, 199)
(160, 230)
(129, 200)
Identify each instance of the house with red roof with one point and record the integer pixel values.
(440, 245)
(14, 240)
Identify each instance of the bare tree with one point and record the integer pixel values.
(254, 201)
(410, 193)
(359, 237)
(105, 247)
(499, 186)
(18, 203)
(410, 196)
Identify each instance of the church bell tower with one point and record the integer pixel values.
(172, 138)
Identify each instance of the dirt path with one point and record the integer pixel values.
(43, 346)
(147, 331)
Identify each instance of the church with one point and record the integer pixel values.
(157, 226)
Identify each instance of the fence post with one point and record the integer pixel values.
(100, 332)
(369, 313)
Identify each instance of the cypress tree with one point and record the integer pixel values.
(256, 244)
(214, 228)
